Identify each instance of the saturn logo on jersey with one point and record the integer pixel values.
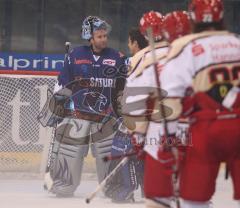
(94, 101)
(109, 62)
(102, 82)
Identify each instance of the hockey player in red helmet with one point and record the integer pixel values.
(205, 12)
(175, 25)
(157, 184)
(207, 68)
(154, 20)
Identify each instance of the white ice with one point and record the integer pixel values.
(30, 194)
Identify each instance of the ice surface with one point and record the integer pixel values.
(30, 194)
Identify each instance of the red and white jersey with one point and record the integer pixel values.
(141, 56)
(155, 128)
(140, 84)
(207, 62)
(140, 92)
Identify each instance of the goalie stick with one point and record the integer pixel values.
(48, 181)
(104, 182)
(67, 49)
(164, 122)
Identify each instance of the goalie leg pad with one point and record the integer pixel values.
(102, 131)
(70, 148)
(99, 150)
(67, 168)
(73, 131)
(140, 174)
(122, 185)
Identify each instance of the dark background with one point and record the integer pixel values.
(42, 26)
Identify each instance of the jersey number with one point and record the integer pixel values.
(227, 74)
(221, 78)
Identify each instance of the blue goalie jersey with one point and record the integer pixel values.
(95, 79)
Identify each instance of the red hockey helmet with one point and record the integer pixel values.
(206, 11)
(154, 20)
(175, 25)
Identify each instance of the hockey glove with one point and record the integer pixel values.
(167, 158)
(138, 141)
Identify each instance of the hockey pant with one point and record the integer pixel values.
(158, 187)
(215, 139)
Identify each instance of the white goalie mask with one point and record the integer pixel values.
(91, 24)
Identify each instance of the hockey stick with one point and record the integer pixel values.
(109, 157)
(226, 171)
(104, 182)
(67, 49)
(164, 122)
(48, 181)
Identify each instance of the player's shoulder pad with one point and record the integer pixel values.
(180, 44)
(161, 44)
(141, 57)
(149, 62)
(137, 58)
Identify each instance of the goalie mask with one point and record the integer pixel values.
(91, 24)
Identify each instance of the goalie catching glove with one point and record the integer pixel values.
(55, 107)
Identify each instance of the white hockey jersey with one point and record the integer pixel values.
(136, 62)
(207, 62)
(196, 61)
(141, 87)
